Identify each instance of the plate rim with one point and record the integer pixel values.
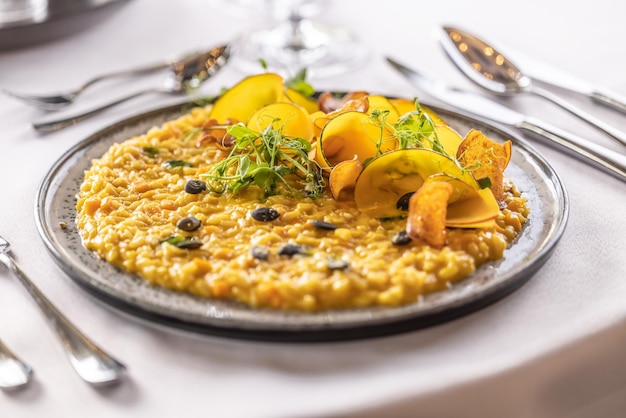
(378, 326)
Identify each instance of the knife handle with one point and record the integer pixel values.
(601, 157)
(609, 130)
(609, 98)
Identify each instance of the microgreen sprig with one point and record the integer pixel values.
(414, 129)
(274, 162)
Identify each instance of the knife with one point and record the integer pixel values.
(551, 76)
(600, 157)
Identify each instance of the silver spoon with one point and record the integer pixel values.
(63, 99)
(90, 361)
(187, 74)
(14, 373)
(491, 70)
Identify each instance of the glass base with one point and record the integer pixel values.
(287, 49)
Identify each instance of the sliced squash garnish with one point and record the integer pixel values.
(308, 103)
(485, 159)
(360, 104)
(404, 106)
(343, 178)
(242, 100)
(387, 178)
(349, 134)
(381, 103)
(468, 207)
(289, 119)
(449, 138)
(427, 213)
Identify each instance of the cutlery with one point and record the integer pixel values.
(89, 361)
(603, 158)
(64, 99)
(14, 373)
(548, 75)
(186, 74)
(493, 71)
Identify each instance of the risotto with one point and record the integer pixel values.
(143, 207)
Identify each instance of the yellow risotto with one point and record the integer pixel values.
(304, 253)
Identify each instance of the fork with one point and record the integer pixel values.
(90, 362)
(14, 373)
(64, 99)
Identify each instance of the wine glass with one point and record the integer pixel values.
(295, 42)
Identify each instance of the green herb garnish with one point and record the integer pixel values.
(414, 129)
(271, 161)
(187, 243)
(298, 83)
(151, 151)
(484, 183)
(176, 163)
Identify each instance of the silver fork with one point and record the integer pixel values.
(14, 373)
(89, 361)
(63, 99)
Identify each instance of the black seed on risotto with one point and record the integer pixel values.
(337, 264)
(403, 202)
(400, 238)
(188, 223)
(259, 252)
(324, 225)
(290, 249)
(265, 214)
(195, 186)
(190, 244)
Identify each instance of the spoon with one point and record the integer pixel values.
(491, 70)
(90, 362)
(186, 74)
(14, 373)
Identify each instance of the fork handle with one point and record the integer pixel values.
(90, 362)
(147, 69)
(58, 124)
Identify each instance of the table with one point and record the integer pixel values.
(553, 348)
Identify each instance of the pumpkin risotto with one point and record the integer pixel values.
(311, 236)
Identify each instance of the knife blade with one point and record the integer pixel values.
(552, 76)
(476, 105)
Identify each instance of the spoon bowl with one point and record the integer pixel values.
(493, 71)
(186, 74)
(14, 373)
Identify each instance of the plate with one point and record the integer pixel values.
(55, 204)
(60, 18)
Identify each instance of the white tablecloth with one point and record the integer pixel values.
(553, 348)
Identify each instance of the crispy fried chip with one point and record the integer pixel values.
(427, 213)
(485, 159)
(343, 178)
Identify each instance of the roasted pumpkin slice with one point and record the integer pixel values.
(428, 211)
(404, 106)
(246, 97)
(308, 103)
(393, 175)
(468, 207)
(352, 134)
(449, 138)
(287, 118)
(381, 103)
(343, 178)
(485, 159)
